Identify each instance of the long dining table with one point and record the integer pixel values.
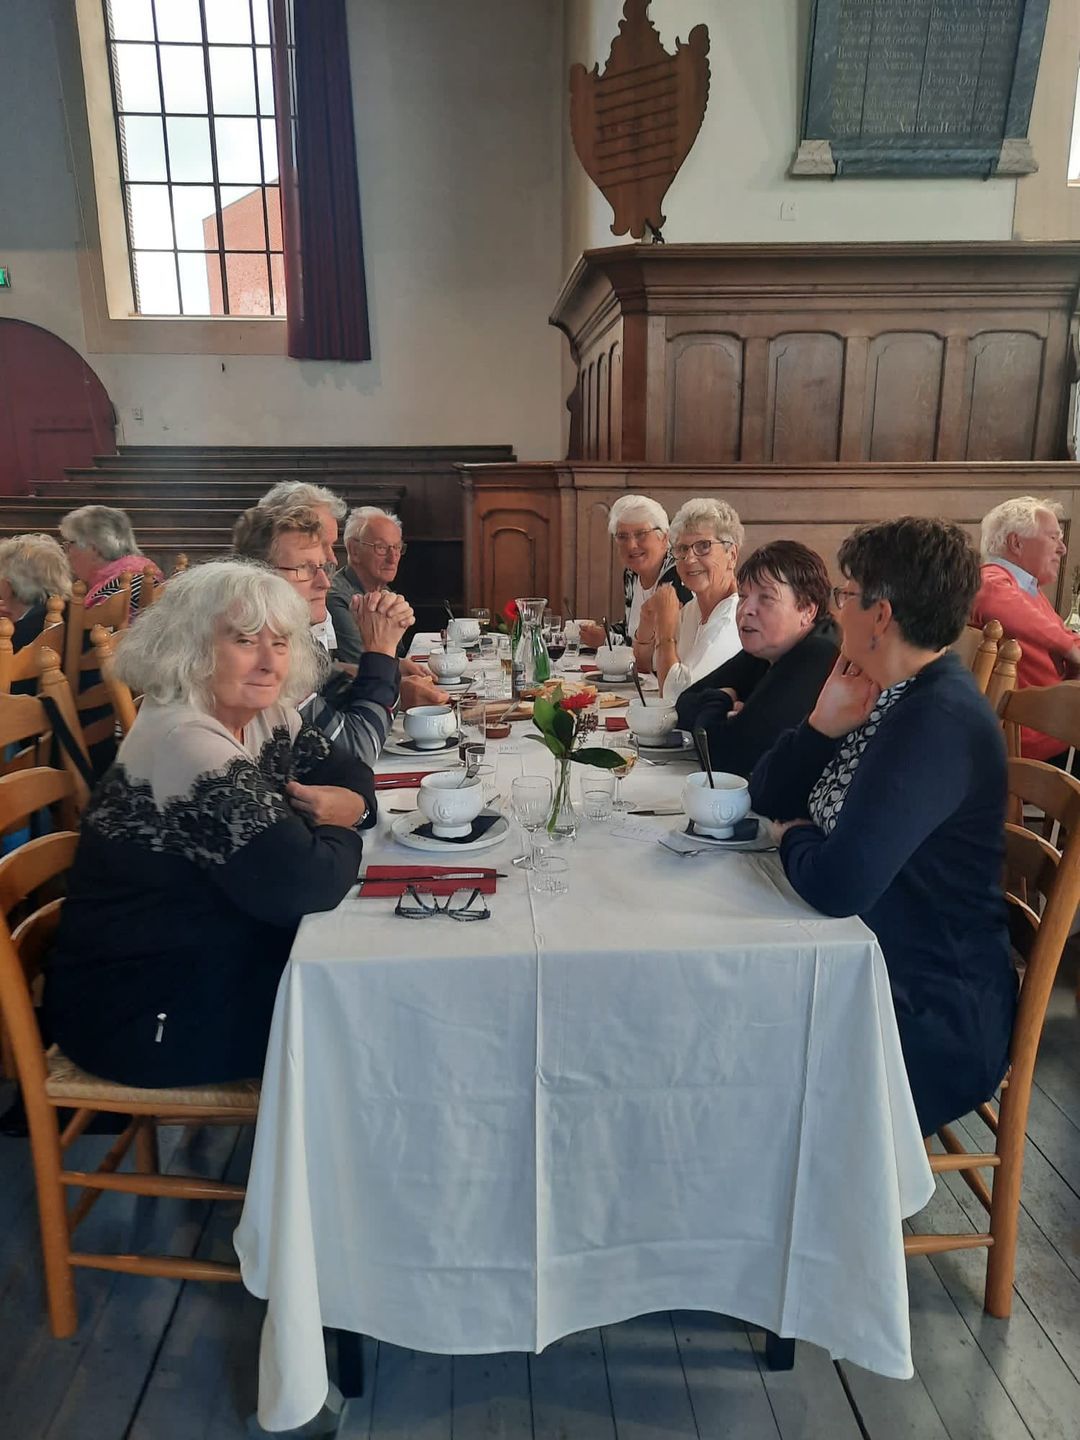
(674, 1087)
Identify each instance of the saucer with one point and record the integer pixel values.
(681, 748)
(403, 830)
(402, 745)
(760, 841)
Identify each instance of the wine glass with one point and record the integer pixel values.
(621, 744)
(556, 648)
(483, 614)
(531, 798)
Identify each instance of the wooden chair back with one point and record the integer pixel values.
(181, 564)
(18, 666)
(120, 696)
(23, 719)
(1042, 888)
(1003, 675)
(978, 649)
(80, 663)
(1052, 709)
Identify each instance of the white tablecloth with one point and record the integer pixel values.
(676, 1087)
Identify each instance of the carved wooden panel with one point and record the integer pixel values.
(704, 398)
(1004, 369)
(902, 393)
(802, 402)
(512, 538)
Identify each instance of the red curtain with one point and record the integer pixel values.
(325, 288)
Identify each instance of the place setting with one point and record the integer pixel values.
(431, 731)
(451, 813)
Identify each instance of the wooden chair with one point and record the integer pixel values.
(25, 723)
(18, 666)
(1042, 887)
(1003, 675)
(181, 564)
(120, 696)
(978, 649)
(79, 660)
(50, 1081)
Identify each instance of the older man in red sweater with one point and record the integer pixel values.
(1023, 548)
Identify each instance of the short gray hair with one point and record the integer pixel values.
(168, 652)
(35, 567)
(359, 517)
(299, 492)
(1013, 517)
(101, 528)
(637, 507)
(707, 514)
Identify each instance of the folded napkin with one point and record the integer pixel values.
(382, 880)
(616, 722)
(480, 826)
(402, 780)
(586, 668)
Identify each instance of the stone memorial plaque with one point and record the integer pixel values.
(920, 87)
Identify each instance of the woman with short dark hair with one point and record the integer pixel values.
(890, 800)
(790, 644)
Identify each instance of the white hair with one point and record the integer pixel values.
(359, 517)
(1013, 517)
(706, 514)
(169, 651)
(100, 528)
(299, 492)
(637, 507)
(35, 567)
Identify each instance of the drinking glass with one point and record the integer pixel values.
(472, 738)
(620, 742)
(550, 875)
(506, 668)
(597, 793)
(572, 638)
(556, 648)
(531, 798)
(483, 614)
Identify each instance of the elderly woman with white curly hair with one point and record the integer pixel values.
(639, 527)
(32, 568)
(684, 644)
(222, 822)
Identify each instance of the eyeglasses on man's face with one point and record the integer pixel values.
(309, 570)
(700, 548)
(382, 549)
(635, 537)
(461, 905)
(841, 594)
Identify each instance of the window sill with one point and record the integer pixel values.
(184, 335)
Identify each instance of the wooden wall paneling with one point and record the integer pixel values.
(616, 399)
(853, 396)
(513, 535)
(704, 391)
(603, 406)
(903, 395)
(754, 416)
(802, 400)
(635, 347)
(1055, 390)
(955, 407)
(1004, 370)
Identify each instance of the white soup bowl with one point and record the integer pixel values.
(430, 726)
(447, 664)
(451, 802)
(716, 811)
(653, 720)
(615, 662)
(463, 632)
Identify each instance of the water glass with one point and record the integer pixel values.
(483, 614)
(531, 798)
(550, 875)
(472, 740)
(597, 793)
(621, 742)
(504, 684)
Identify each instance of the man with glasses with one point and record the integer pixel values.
(374, 546)
(353, 712)
(330, 509)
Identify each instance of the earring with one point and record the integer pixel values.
(873, 642)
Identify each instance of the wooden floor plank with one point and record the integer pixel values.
(412, 1397)
(723, 1377)
(649, 1397)
(809, 1402)
(570, 1399)
(491, 1397)
(893, 1409)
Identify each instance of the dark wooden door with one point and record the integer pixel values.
(54, 411)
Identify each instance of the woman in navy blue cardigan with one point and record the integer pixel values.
(890, 803)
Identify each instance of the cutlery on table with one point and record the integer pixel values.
(701, 742)
(671, 810)
(455, 875)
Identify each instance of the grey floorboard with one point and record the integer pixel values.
(723, 1377)
(1055, 1136)
(809, 1402)
(413, 1396)
(649, 1395)
(491, 1397)
(893, 1409)
(570, 1398)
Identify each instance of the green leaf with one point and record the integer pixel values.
(563, 726)
(543, 715)
(595, 755)
(555, 745)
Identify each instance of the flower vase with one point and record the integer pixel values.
(563, 821)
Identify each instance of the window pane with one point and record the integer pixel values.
(232, 78)
(179, 20)
(265, 66)
(238, 151)
(273, 215)
(261, 10)
(136, 77)
(195, 217)
(184, 79)
(242, 218)
(131, 20)
(189, 149)
(249, 284)
(1074, 148)
(155, 284)
(227, 21)
(270, 160)
(277, 272)
(143, 147)
(151, 224)
(196, 272)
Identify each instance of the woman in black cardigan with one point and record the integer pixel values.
(789, 642)
(891, 803)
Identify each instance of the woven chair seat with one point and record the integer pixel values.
(68, 1083)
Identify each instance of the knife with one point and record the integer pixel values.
(442, 875)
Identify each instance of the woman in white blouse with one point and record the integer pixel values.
(682, 645)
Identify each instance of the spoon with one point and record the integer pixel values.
(446, 607)
(701, 741)
(607, 632)
(637, 683)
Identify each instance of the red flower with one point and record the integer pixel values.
(510, 611)
(581, 701)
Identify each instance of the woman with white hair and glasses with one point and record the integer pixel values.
(32, 567)
(639, 527)
(684, 644)
(222, 822)
(101, 547)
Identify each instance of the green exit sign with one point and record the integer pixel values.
(5, 278)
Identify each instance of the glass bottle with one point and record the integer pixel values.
(531, 665)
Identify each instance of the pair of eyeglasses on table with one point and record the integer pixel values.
(461, 905)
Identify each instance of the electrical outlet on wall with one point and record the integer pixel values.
(136, 414)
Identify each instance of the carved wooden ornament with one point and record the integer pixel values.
(634, 125)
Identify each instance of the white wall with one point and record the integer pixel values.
(458, 138)
(732, 183)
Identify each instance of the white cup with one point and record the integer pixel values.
(450, 802)
(716, 809)
(430, 726)
(653, 720)
(447, 664)
(615, 662)
(462, 632)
